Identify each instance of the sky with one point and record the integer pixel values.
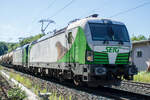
(20, 18)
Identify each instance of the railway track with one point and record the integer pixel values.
(85, 93)
(135, 87)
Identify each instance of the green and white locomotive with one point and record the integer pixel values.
(89, 50)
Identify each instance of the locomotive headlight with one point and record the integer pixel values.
(89, 56)
(100, 71)
(133, 71)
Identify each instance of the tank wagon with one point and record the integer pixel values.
(87, 50)
(0, 59)
(6, 58)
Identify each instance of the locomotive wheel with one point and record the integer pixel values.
(128, 77)
(77, 81)
(118, 77)
(61, 78)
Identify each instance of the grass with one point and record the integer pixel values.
(1, 68)
(54, 96)
(26, 82)
(37, 87)
(142, 77)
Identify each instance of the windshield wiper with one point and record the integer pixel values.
(121, 42)
(105, 42)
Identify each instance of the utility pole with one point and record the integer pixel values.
(42, 21)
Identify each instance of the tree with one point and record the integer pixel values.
(30, 39)
(149, 37)
(8, 47)
(138, 38)
(3, 48)
(12, 46)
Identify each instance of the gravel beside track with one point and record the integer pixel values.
(4, 87)
(65, 89)
(84, 93)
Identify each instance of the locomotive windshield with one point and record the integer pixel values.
(109, 32)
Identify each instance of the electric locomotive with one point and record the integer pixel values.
(89, 50)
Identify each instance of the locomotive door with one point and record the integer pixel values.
(71, 45)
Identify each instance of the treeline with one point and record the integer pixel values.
(8, 47)
(3, 47)
(139, 38)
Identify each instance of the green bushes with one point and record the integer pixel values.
(16, 94)
(142, 77)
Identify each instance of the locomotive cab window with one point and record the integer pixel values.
(106, 32)
(139, 53)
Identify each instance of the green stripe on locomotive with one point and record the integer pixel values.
(25, 55)
(76, 54)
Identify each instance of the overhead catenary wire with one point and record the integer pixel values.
(93, 10)
(60, 10)
(57, 12)
(51, 4)
(129, 10)
(106, 5)
(42, 11)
